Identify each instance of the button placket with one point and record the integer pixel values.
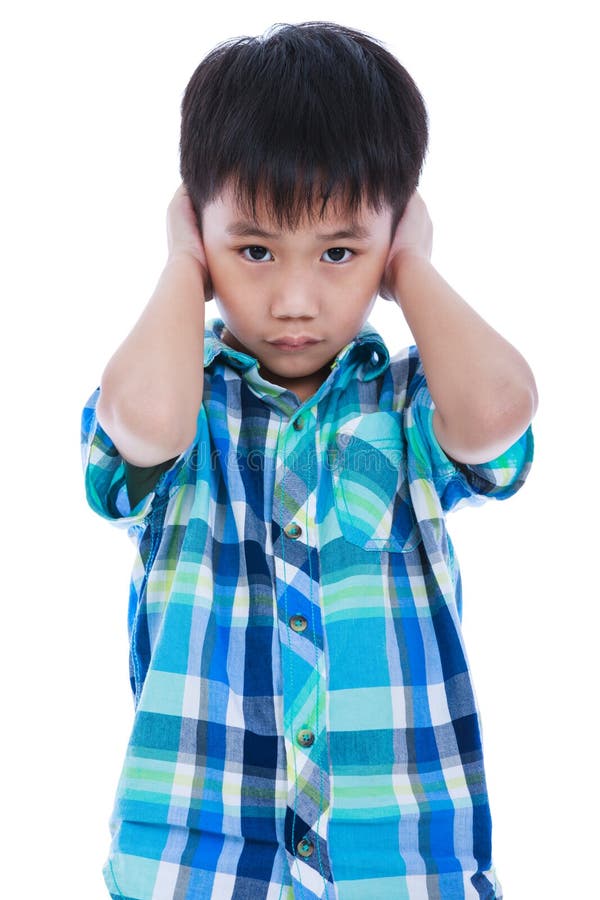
(303, 681)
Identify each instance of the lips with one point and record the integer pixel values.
(294, 341)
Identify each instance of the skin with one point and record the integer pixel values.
(294, 284)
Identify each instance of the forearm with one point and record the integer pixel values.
(151, 388)
(478, 381)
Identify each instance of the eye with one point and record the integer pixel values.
(253, 248)
(258, 249)
(339, 250)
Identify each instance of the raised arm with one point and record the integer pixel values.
(151, 388)
(483, 389)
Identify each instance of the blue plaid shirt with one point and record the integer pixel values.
(305, 724)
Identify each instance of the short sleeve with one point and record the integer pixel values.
(106, 476)
(460, 484)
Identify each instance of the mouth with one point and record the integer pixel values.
(294, 343)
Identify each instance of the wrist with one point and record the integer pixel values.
(185, 259)
(182, 255)
(404, 264)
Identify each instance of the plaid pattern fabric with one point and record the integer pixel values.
(305, 724)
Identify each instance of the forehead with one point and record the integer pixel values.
(236, 218)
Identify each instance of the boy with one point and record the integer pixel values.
(305, 724)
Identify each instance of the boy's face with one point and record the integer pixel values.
(293, 284)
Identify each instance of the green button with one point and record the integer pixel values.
(298, 623)
(305, 847)
(293, 530)
(305, 737)
(299, 423)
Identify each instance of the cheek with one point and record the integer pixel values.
(366, 282)
(377, 272)
(224, 274)
(236, 301)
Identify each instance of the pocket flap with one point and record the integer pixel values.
(371, 495)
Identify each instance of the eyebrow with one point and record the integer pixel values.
(246, 229)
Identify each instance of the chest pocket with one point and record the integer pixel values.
(370, 488)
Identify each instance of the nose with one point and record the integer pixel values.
(295, 299)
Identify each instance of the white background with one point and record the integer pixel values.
(90, 107)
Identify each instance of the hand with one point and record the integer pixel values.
(414, 235)
(183, 235)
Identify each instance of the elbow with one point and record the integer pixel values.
(498, 428)
(534, 398)
(517, 409)
(143, 436)
(481, 438)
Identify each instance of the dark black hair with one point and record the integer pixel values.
(305, 110)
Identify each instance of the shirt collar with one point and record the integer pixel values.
(367, 347)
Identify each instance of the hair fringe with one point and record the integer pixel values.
(306, 113)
